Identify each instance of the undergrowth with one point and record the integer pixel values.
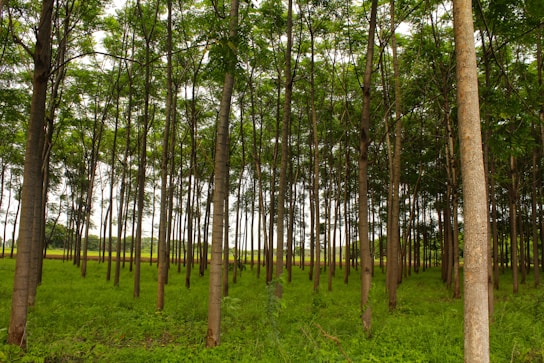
(89, 320)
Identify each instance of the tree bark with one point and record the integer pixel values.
(33, 177)
(226, 249)
(123, 205)
(98, 127)
(537, 155)
(452, 176)
(513, 197)
(221, 171)
(163, 222)
(286, 125)
(148, 33)
(393, 237)
(364, 141)
(476, 316)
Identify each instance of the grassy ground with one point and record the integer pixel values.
(89, 320)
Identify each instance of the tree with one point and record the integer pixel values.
(163, 223)
(286, 124)
(221, 171)
(148, 32)
(364, 141)
(98, 127)
(476, 322)
(393, 237)
(33, 179)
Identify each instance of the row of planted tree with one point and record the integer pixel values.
(129, 133)
(422, 249)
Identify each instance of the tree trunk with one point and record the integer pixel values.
(261, 224)
(142, 165)
(91, 175)
(452, 176)
(163, 222)
(4, 239)
(537, 156)
(226, 249)
(315, 163)
(476, 316)
(189, 260)
(112, 167)
(494, 225)
(221, 172)
(364, 141)
(123, 206)
(522, 249)
(286, 125)
(347, 255)
(269, 247)
(393, 237)
(32, 182)
(513, 196)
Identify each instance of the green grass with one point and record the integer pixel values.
(89, 320)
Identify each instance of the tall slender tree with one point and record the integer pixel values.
(165, 157)
(286, 124)
(220, 172)
(148, 32)
(364, 141)
(476, 319)
(393, 237)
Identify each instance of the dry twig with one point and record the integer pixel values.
(334, 339)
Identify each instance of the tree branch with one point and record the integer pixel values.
(334, 339)
(16, 39)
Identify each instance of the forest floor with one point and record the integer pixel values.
(89, 320)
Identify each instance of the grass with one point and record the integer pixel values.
(89, 320)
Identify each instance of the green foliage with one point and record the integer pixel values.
(56, 235)
(535, 9)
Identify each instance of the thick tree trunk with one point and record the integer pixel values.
(364, 141)
(33, 181)
(221, 172)
(476, 316)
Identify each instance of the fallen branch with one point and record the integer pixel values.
(334, 339)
